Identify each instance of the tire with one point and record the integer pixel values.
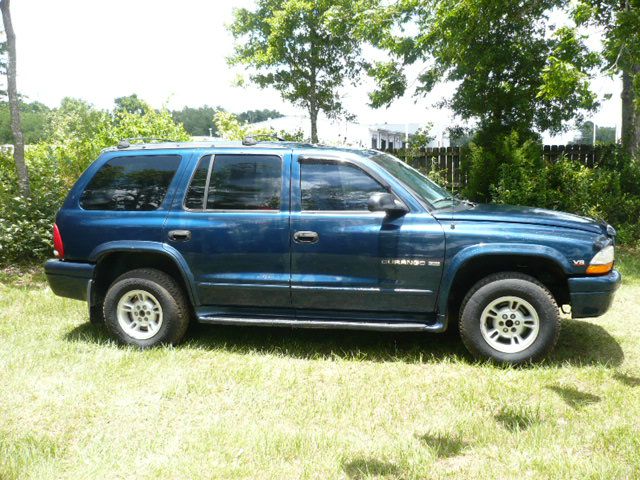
(146, 307)
(509, 318)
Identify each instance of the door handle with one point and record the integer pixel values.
(180, 235)
(306, 237)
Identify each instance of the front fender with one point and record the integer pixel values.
(472, 252)
(135, 246)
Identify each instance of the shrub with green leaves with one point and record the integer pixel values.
(515, 173)
(76, 135)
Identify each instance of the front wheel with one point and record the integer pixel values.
(509, 318)
(146, 307)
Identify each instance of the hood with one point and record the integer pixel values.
(515, 214)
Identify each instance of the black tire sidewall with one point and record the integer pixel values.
(536, 295)
(171, 313)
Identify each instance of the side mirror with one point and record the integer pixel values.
(385, 202)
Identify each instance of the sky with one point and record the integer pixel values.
(174, 54)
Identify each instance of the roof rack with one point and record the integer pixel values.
(126, 142)
(250, 140)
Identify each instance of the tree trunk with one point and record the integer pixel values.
(14, 102)
(628, 114)
(635, 105)
(313, 115)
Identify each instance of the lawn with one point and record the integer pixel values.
(287, 404)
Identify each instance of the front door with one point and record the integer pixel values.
(345, 258)
(231, 225)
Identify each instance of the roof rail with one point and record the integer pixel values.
(126, 142)
(250, 140)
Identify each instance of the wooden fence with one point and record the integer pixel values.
(449, 160)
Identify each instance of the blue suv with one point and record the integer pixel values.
(156, 235)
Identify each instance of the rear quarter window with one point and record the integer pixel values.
(131, 183)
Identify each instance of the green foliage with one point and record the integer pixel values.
(515, 71)
(305, 49)
(604, 135)
(499, 166)
(75, 136)
(35, 117)
(229, 127)
(255, 116)
(132, 104)
(198, 121)
(515, 173)
(414, 156)
(518, 171)
(619, 21)
(26, 223)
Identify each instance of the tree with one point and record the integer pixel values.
(255, 116)
(131, 104)
(198, 121)
(514, 70)
(14, 101)
(78, 131)
(230, 127)
(585, 134)
(305, 49)
(620, 21)
(34, 117)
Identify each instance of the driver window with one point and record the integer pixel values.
(329, 185)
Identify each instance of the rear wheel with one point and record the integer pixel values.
(146, 307)
(509, 318)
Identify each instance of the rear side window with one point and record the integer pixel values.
(236, 182)
(130, 183)
(334, 186)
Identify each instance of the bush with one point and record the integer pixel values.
(76, 135)
(26, 223)
(515, 173)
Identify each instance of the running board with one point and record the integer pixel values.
(323, 324)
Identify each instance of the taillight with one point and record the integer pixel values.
(58, 246)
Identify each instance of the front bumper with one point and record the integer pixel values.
(592, 296)
(69, 279)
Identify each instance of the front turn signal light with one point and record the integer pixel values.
(602, 262)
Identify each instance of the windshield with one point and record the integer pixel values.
(427, 189)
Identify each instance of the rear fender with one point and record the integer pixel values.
(168, 251)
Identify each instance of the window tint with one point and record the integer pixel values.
(130, 183)
(195, 195)
(329, 185)
(238, 182)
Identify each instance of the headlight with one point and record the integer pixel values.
(602, 262)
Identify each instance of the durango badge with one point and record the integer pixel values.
(411, 262)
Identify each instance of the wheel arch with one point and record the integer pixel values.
(112, 259)
(470, 265)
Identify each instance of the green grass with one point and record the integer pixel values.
(284, 404)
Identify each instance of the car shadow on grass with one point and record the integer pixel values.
(361, 468)
(443, 445)
(580, 343)
(574, 397)
(585, 343)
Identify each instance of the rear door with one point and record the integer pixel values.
(231, 224)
